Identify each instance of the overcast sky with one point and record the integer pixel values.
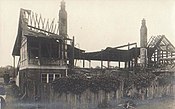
(96, 24)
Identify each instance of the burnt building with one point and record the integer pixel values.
(45, 54)
(42, 50)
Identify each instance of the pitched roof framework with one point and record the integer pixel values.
(32, 24)
(163, 54)
(161, 42)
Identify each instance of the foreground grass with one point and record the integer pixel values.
(159, 104)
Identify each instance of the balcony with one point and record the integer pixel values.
(46, 62)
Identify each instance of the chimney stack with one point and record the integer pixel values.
(143, 34)
(63, 20)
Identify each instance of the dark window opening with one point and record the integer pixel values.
(34, 53)
(50, 49)
(33, 48)
(44, 48)
(50, 77)
(57, 76)
(44, 78)
(55, 50)
(34, 43)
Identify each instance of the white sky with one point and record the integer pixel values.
(96, 24)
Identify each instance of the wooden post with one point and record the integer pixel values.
(158, 55)
(83, 63)
(119, 64)
(135, 62)
(167, 53)
(72, 63)
(125, 64)
(108, 64)
(83, 60)
(101, 60)
(89, 63)
(101, 64)
(129, 62)
(39, 51)
(171, 56)
(14, 72)
(135, 59)
(162, 56)
(154, 58)
(132, 65)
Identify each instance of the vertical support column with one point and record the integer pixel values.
(135, 62)
(129, 62)
(73, 50)
(89, 63)
(155, 58)
(83, 59)
(158, 55)
(108, 64)
(59, 43)
(135, 59)
(65, 50)
(132, 65)
(62, 53)
(73, 47)
(101, 60)
(83, 63)
(14, 72)
(40, 51)
(119, 64)
(47, 78)
(162, 56)
(125, 64)
(171, 56)
(167, 53)
(101, 64)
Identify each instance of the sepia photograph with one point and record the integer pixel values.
(87, 54)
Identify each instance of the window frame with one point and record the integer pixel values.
(48, 80)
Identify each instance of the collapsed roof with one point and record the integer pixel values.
(32, 25)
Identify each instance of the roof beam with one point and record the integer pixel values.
(126, 45)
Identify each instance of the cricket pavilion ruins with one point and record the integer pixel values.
(46, 53)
